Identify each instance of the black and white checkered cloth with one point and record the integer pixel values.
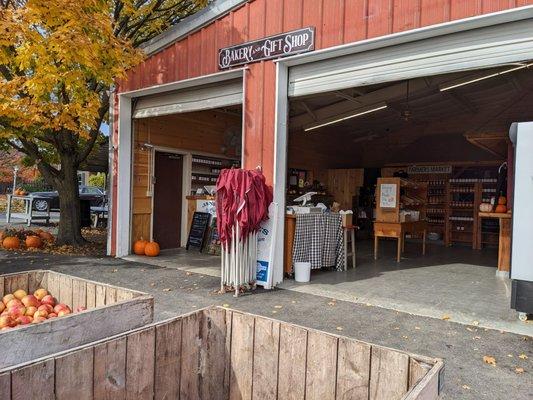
(318, 239)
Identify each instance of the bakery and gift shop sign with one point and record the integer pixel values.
(282, 45)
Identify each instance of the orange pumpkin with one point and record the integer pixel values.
(11, 242)
(501, 208)
(151, 249)
(34, 241)
(502, 200)
(139, 246)
(46, 236)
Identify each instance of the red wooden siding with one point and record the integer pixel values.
(336, 22)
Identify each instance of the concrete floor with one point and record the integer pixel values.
(462, 347)
(455, 283)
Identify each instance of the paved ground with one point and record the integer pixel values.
(462, 347)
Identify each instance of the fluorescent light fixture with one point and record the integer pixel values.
(482, 78)
(358, 113)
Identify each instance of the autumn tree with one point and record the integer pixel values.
(58, 60)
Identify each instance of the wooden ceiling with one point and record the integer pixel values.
(420, 124)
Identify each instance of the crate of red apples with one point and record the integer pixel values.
(43, 312)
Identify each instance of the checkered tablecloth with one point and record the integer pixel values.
(318, 240)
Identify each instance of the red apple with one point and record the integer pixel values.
(30, 311)
(2, 307)
(80, 309)
(14, 302)
(24, 320)
(61, 306)
(46, 307)
(52, 315)
(40, 314)
(31, 301)
(48, 299)
(6, 321)
(16, 311)
(20, 294)
(38, 319)
(7, 298)
(40, 293)
(63, 312)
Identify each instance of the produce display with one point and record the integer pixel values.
(145, 248)
(13, 239)
(20, 308)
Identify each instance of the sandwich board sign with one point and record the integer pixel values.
(265, 249)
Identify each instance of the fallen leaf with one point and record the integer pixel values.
(489, 360)
(368, 305)
(417, 328)
(143, 270)
(522, 356)
(476, 323)
(274, 312)
(293, 302)
(114, 270)
(470, 329)
(225, 305)
(188, 273)
(405, 337)
(332, 303)
(466, 387)
(477, 337)
(152, 284)
(519, 370)
(445, 317)
(510, 355)
(278, 307)
(166, 290)
(340, 328)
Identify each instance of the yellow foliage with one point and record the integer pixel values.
(60, 55)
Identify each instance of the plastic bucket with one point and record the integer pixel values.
(302, 271)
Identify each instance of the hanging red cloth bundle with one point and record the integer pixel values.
(243, 198)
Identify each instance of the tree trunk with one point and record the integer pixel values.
(69, 203)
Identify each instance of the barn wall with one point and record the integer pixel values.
(336, 21)
(192, 132)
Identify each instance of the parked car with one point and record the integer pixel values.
(41, 200)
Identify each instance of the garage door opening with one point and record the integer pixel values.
(177, 158)
(421, 163)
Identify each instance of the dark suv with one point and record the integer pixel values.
(41, 200)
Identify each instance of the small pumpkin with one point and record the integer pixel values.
(34, 242)
(139, 246)
(501, 208)
(46, 236)
(502, 200)
(485, 207)
(11, 242)
(152, 249)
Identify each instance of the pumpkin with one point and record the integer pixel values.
(46, 236)
(501, 208)
(138, 247)
(33, 241)
(11, 242)
(485, 207)
(502, 200)
(151, 249)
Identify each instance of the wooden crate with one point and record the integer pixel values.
(110, 310)
(217, 353)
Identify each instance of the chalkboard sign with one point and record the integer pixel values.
(199, 225)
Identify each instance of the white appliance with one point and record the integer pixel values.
(521, 135)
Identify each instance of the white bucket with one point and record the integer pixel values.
(302, 271)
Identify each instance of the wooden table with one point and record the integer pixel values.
(504, 238)
(398, 230)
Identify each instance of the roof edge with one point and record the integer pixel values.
(191, 24)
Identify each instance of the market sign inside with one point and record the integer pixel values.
(282, 45)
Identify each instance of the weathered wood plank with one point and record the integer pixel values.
(266, 353)
(242, 342)
(417, 371)
(2, 285)
(388, 374)
(100, 296)
(140, 359)
(213, 352)
(26, 343)
(53, 284)
(74, 375)
(227, 368)
(5, 386)
(15, 282)
(428, 387)
(292, 361)
(190, 357)
(37, 280)
(321, 366)
(91, 295)
(79, 294)
(110, 370)
(110, 295)
(65, 290)
(35, 381)
(124, 295)
(353, 370)
(168, 360)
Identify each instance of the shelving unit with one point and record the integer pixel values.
(205, 170)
